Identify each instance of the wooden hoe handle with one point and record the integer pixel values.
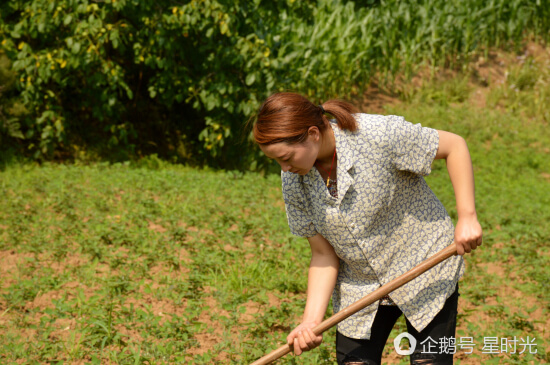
(366, 300)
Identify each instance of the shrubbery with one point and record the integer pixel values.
(125, 78)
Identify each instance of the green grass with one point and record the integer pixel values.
(154, 263)
(119, 225)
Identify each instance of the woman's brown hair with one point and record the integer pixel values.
(287, 117)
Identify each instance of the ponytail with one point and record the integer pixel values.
(287, 117)
(342, 111)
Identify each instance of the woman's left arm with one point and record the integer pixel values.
(453, 148)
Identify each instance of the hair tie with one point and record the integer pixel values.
(322, 109)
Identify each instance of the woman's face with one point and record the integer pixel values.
(298, 158)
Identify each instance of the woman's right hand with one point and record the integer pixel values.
(303, 339)
(321, 278)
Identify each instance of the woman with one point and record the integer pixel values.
(353, 187)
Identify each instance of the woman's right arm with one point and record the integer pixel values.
(323, 271)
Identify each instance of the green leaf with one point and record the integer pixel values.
(250, 78)
(76, 47)
(210, 102)
(68, 19)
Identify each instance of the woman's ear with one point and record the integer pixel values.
(314, 133)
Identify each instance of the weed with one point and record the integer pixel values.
(131, 255)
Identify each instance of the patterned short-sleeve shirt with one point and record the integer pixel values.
(385, 220)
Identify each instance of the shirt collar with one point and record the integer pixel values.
(345, 153)
(344, 148)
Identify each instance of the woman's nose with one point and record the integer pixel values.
(285, 167)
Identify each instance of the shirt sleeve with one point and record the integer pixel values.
(412, 147)
(297, 208)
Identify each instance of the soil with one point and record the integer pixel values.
(12, 262)
(485, 72)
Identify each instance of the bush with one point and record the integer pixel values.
(128, 78)
(138, 76)
(8, 125)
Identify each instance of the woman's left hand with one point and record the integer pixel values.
(468, 235)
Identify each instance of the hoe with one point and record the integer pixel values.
(366, 301)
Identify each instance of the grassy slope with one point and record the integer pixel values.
(161, 263)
